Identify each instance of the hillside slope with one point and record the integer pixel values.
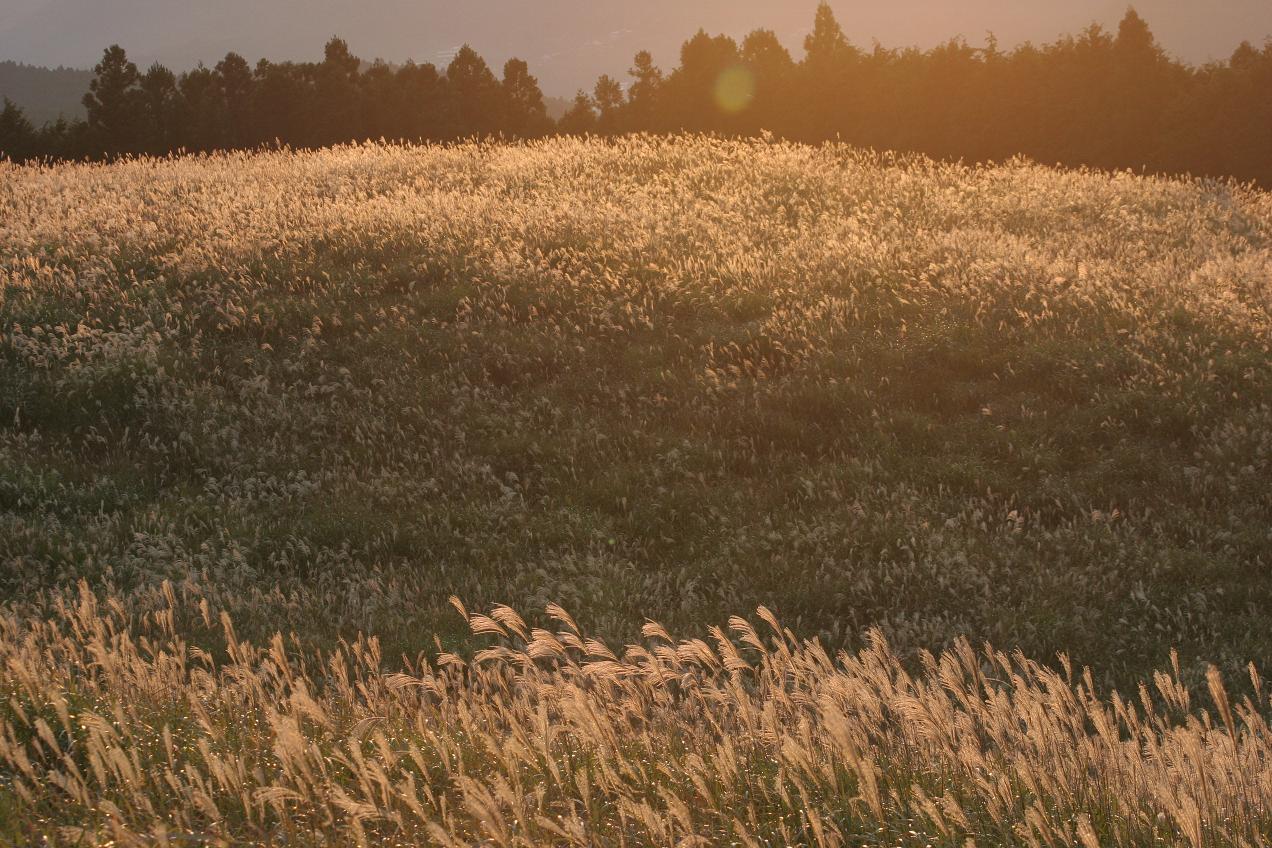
(647, 378)
(45, 94)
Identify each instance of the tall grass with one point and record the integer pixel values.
(117, 730)
(908, 406)
(1023, 405)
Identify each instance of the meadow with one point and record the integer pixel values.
(263, 414)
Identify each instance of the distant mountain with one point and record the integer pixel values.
(568, 43)
(45, 94)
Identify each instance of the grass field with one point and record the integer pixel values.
(320, 393)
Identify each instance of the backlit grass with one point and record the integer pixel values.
(643, 379)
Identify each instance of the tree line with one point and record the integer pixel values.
(1104, 99)
(301, 104)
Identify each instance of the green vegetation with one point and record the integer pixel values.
(671, 379)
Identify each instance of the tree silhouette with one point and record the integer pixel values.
(609, 100)
(282, 100)
(114, 104)
(336, 103)
(526, 116)
(383, 103)
(826, 46)
(236, 83)
(1135, 42)
(426, 109)
(580, 118)
(690, 92)
(828, 95)
(643, 94)
(17, 136)
(204, 120)
(161, 106)
(773, 68)
(476, 95)
(1141, 92)
(1098, 98)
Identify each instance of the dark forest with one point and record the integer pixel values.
(1111, 100)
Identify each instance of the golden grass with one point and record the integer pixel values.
(681, 375)
(898, 401)
(118, 731)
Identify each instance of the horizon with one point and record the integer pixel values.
(573, 43)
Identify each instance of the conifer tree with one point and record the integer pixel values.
(826, 45)
(477, 96)
(235, 81)
(690, 92)
(114, 104)
(526, 114)
(427, 110)
(608, 97)
(162, 109)
(580, 119)
(336, 106)
(1135, 41)
(772, 67)
(643, 93)
(17, 136)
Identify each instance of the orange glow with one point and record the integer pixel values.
(735, 89)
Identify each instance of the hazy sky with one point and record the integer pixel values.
(569, 42)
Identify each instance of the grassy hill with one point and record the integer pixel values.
(320, 393)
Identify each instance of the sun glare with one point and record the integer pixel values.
(735, 89)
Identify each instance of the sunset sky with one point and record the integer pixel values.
(568, 42)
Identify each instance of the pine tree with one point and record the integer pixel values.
(1140, 91)
(114, 105)
(282, 103)
(608, 97)
(162, 109)
(826, 45)
(203, 117)
(476, 95)
(17, 136)
(236, 83)
(580, 119)
(335, 116)
(526, 114)
(643, 94)
(427, 112)
(772, 67)
(689, 100)
(1135, 41)
(828, 97)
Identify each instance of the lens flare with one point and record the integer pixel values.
(735, 89)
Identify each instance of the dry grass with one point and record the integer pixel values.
(118, 731)
(1027, 406)
(900, 403)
